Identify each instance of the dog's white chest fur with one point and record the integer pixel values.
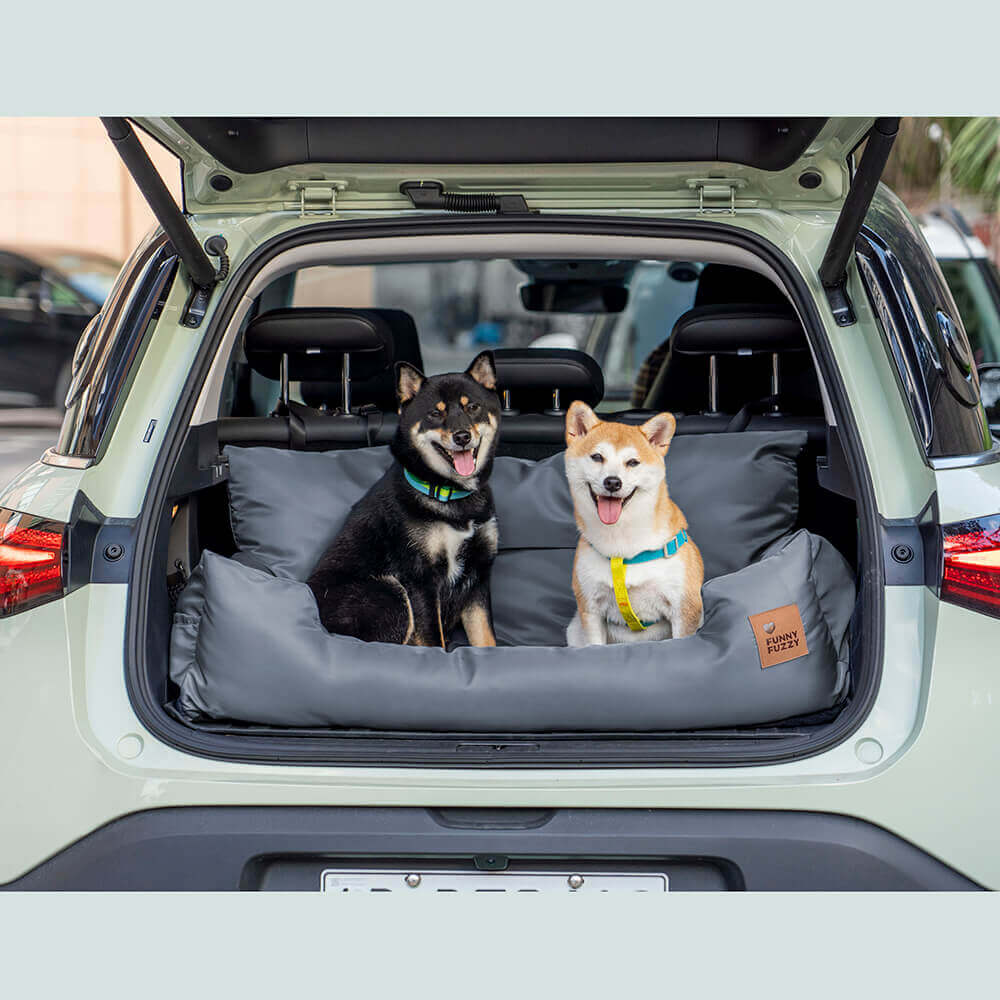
(444, 540)
(655, 588)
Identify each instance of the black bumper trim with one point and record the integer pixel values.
(228, 847)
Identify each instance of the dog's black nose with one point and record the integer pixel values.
(461, 438)
(612, 484)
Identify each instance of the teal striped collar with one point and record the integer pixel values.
(443, 493)
(669, 549)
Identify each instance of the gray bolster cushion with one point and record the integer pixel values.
(248, 646)
(738, 491)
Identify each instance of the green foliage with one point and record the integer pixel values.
(975, 158)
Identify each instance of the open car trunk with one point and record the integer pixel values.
(228, 666)
(197, 553)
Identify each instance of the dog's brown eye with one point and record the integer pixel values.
(632, 463)
(473, 408)
(597, 457)
(435, 416)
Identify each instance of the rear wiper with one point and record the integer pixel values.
(432, 195)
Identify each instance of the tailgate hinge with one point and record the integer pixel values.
(716, 195)
(317, 197)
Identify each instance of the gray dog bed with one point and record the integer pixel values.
(247, 644)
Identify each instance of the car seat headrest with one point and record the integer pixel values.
(724, 283)
(742, 328)
(315, 341)
(546, 379)
(379, 389)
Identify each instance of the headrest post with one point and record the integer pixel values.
(506, 402)
(557, 410)
(345, 382)
(713, 384)
(775, 382)
(284, 381)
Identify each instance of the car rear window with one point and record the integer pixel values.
(109, 346)
(976, 288)
(924, 331)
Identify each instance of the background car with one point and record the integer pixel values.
(47, 297)
(971, 275)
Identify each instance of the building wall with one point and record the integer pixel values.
(62, 184)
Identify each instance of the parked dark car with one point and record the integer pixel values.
(47, 297)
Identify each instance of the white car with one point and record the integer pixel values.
(972, 277)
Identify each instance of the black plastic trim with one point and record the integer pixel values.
(90, 535)
(586, 750)
(912, 549)
(225, 848)
(253, 145)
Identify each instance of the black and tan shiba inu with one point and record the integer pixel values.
(414, 556)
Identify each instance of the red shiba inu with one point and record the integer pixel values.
(637, 575)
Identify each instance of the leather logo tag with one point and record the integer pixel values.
(780, 635)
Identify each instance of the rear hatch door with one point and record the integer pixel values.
(311, 165)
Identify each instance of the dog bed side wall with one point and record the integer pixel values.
(252, 649)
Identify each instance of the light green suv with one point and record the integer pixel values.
(107, 783)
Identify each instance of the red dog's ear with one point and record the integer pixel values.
(659, 430)
(580, 421)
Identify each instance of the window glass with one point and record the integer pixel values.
(16, 278)
(979, 304)
(108, 348)
(464, 306)
(63, 297)
(932, 353)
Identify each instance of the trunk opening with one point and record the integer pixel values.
(188, 512)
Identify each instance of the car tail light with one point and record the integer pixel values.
(31, 561)
(971, 573)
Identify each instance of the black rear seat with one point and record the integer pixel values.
(340, 351)
(537, 385)
(378, 389)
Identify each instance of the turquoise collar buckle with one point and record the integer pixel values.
(670, 549)
(618, 564)
(442, 493)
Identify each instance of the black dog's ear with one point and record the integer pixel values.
(484, 370)
(408, 381)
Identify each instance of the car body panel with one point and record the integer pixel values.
(44, 490)
(923, 764)
(916, 792)
(551, 186)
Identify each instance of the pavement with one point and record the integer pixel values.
(24, 435)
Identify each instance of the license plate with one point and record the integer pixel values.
(414, 880)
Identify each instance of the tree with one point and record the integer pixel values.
(975, 158)
(975, 164)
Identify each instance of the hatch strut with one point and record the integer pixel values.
(175, 225)
(833, 269)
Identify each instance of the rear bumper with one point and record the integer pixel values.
(262, 848)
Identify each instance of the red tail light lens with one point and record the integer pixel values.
(971, 575)
(31, 561)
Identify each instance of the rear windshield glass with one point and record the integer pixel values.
(460, 307)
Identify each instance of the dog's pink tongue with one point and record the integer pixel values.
(609, 509)
(465, 462)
